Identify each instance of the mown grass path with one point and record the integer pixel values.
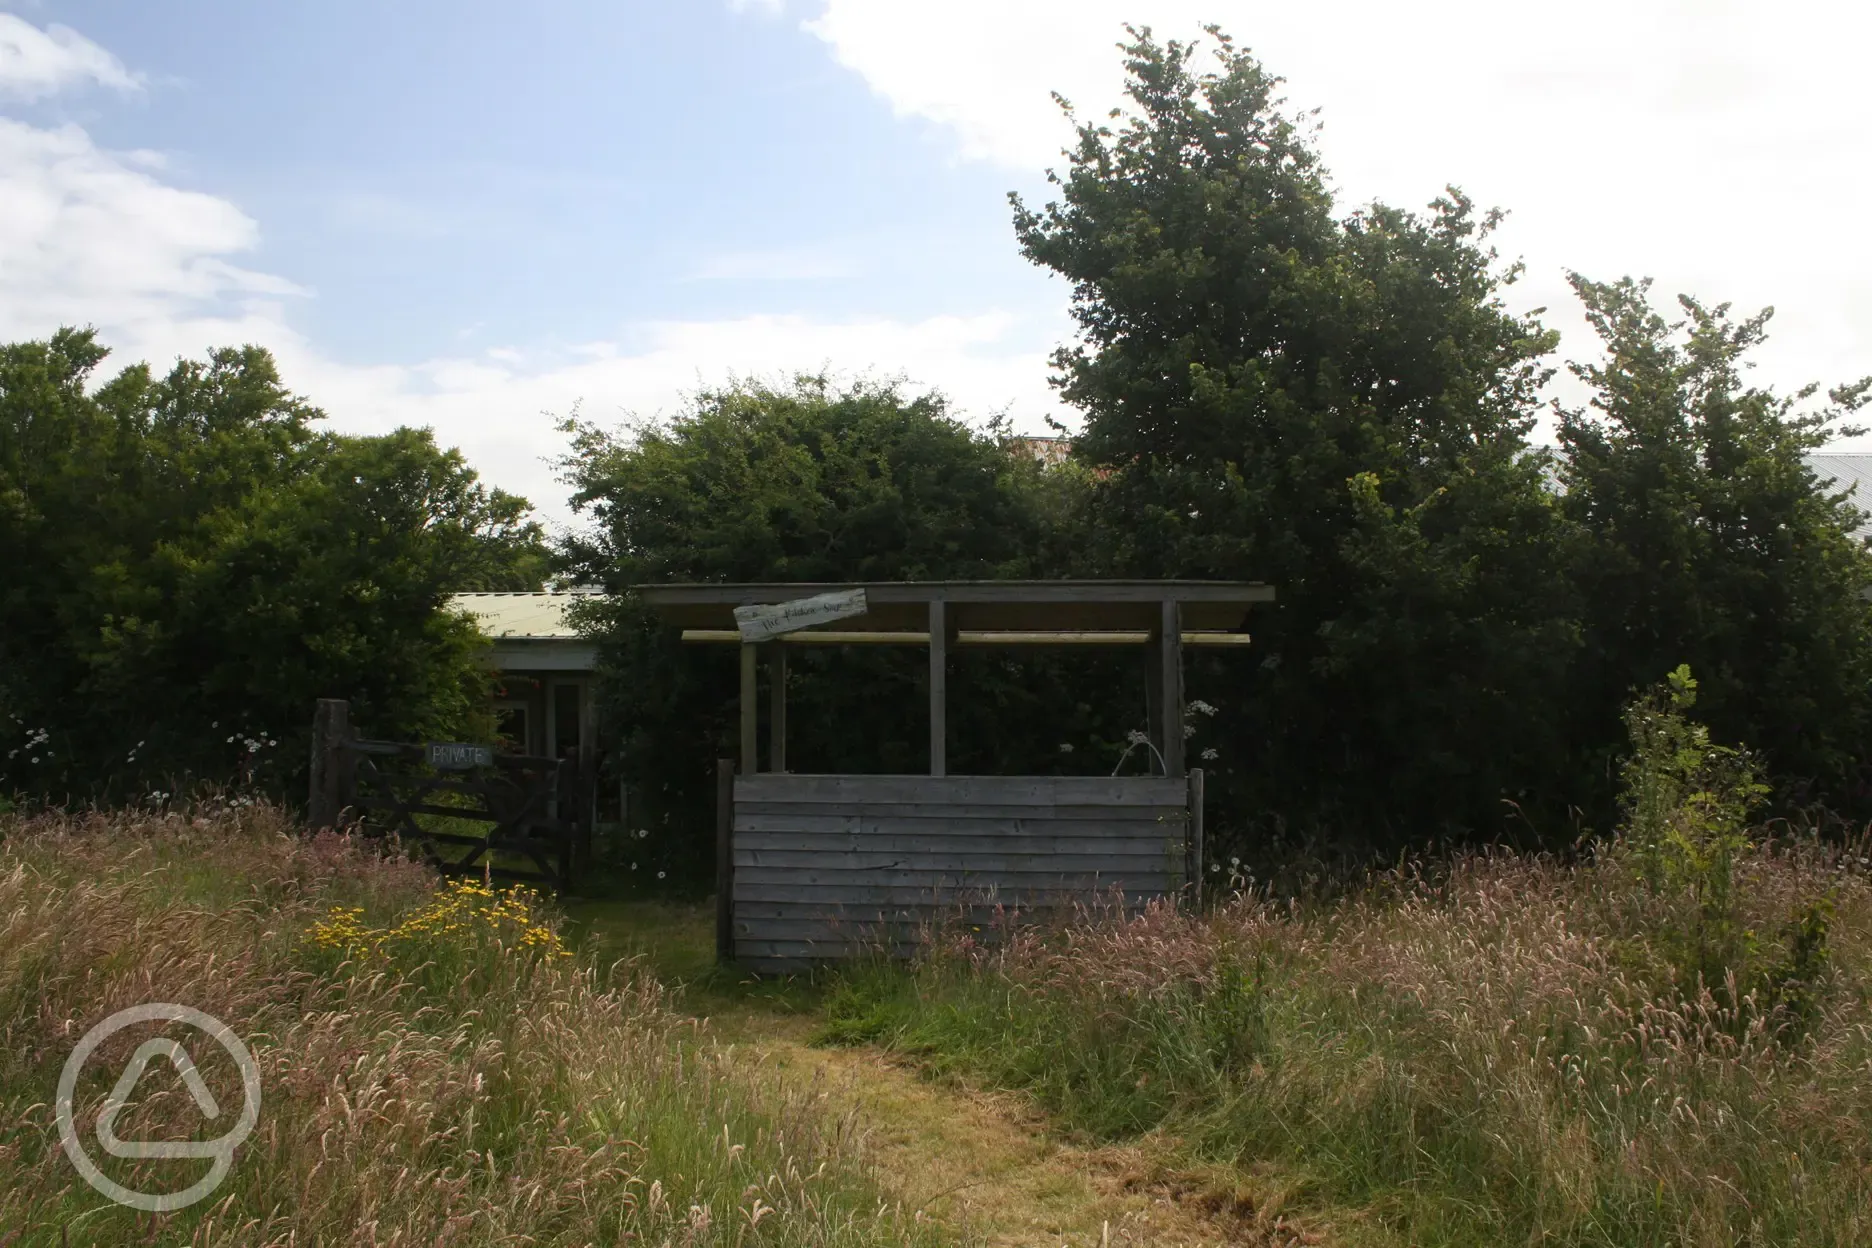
(985, 1164)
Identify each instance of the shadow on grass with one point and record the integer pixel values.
(676, 940)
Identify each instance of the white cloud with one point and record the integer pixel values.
(92, 233)
(501, 411)
(96, 238)
(1715, 146)
(36, 63)
(1715, 161)
(806, 262)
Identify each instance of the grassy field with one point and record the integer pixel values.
(1496, 1050)
(438, 1065)
(984, 1163)
(1508, 1051)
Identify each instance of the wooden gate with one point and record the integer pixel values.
(431, 797)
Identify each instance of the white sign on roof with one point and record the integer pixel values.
(759, 623)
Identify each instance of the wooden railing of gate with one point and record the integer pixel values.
(530, 804)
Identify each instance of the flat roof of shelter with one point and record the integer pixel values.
(978, 605)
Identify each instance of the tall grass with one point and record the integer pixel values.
(1502, 1051)
(435, 1070)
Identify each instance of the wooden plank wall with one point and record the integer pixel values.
(825, 865)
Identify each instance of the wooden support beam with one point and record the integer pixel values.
(938, 690)
(1100, 637)
(1196, 850)
(724, 860)
(750, 711)
(1170, 652)
(1153, 700)
(776, 709)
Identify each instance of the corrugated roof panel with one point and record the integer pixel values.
(1851, 473)
(515, 615)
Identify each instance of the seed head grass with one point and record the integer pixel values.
(1497, 1051)
(437, 1066)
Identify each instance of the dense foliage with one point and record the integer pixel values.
(191, 561)
(1341, 404)
(1707, 540)
(1338, 406)
(815, 481)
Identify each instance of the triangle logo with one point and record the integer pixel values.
(119, 1100)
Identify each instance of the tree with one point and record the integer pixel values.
(192, 562)
(1339, 406)
(1712, 543)
(814, 481)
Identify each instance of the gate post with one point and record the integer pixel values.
(724, 859)
(330, 790)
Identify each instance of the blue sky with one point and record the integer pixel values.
(466, 215)
(449, 172)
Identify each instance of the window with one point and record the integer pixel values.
(511, 727)
(566, 721)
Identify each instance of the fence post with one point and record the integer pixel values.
(1196, 833)
(724, 859)
(331, 728)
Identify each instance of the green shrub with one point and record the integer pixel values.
(1687, 803)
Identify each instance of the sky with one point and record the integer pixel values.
(481, 217)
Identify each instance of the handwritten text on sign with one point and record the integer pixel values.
(456, 756)
(771, 620)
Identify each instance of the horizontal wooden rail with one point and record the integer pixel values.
(835, 637)
(819, 865)
(419, 753)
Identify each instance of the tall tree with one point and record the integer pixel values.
(191, 561)
(814, 481)
(1336, 405)
(1712, 543)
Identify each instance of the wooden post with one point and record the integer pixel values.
(1170, 685)
(1196, 834)
(776, 709)
(1153, 700)
(938, 690)
(331, 728)
(750, 712)
(724, 859)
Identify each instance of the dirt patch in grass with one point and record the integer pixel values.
(986, 1164)
(989, 1164)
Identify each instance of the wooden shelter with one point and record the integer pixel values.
(810, 867)
(545, 705)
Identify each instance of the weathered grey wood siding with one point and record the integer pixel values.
(826, 865)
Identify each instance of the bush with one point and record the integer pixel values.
(1687, 803)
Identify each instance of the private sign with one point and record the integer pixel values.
(459, 756)
(761, 623)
